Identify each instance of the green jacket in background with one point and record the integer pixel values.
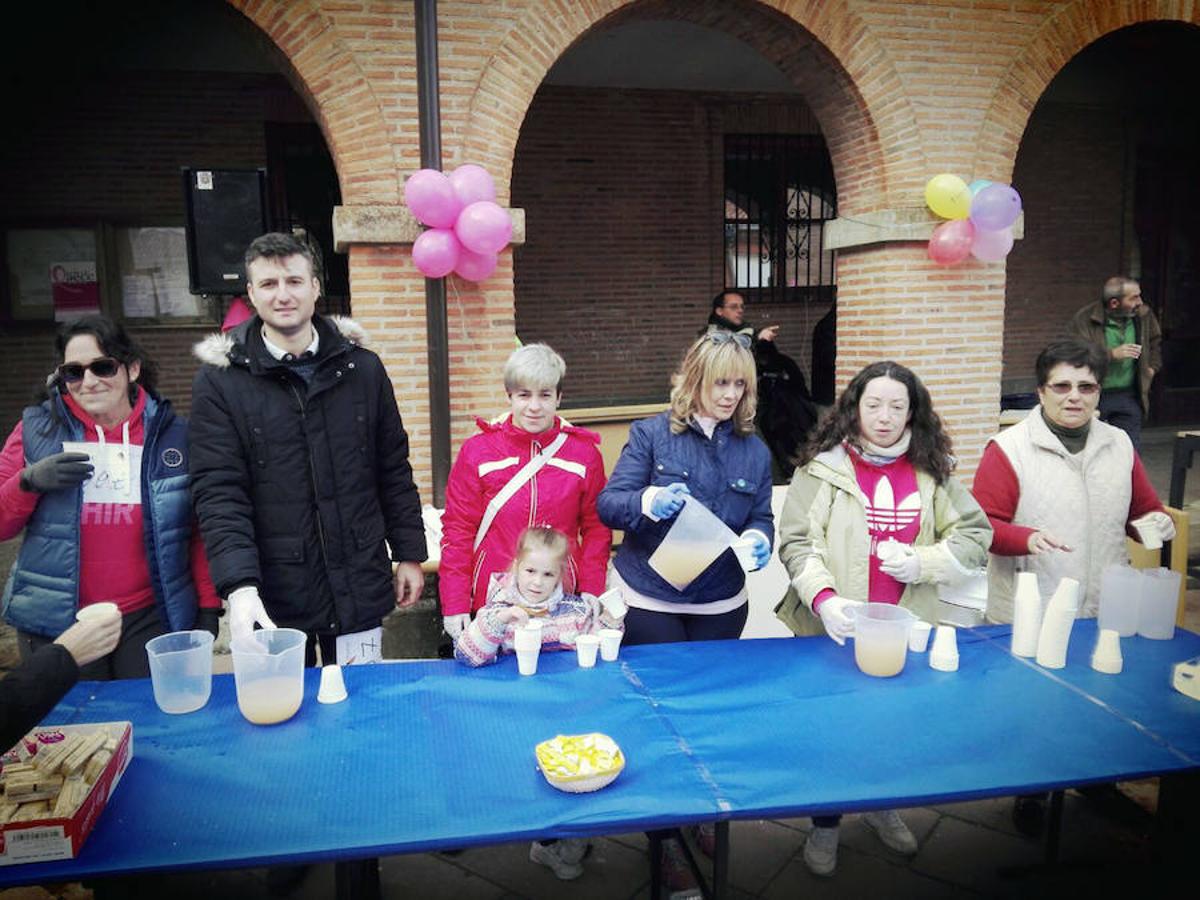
(1088, 325)
(824, 542)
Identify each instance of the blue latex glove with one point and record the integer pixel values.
(761, 550)
(669, 500)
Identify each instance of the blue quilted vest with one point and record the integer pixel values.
(42, 594)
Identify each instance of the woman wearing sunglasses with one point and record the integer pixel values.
(703, 447)
(876, 474)
(96, 474)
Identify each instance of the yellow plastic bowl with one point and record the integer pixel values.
(580, 763)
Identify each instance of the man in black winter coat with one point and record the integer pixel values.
(300, 471)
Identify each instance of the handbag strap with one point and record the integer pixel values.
(526, 472)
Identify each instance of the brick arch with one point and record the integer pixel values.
(1059, 39)
(328, 76)
(834, 57)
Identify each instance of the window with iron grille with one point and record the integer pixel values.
(779, 191)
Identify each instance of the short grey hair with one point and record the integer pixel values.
(533, 367)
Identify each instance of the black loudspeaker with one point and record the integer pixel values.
(226, 210)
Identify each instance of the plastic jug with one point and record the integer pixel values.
(1120, 596)
(181, 670)
(696, 539)
(881, 638)
(1160, 596)
(268, 670)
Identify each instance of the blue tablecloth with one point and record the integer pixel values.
(431, 754)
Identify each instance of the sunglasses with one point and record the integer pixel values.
(724, 337)
(1086, 388)
(104, 367)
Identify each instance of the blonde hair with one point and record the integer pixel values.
(542, 537)
(534, 367)
(715, 355)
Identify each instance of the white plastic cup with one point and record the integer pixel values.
(944, 655)
(743, 549)
(333, 685)
(268, 671)
(181, 670)
(610, 643)
(1027, 615)
(527, 641)
(1106, 657)
(1057, 623)
(1147, 532)
(613, 603)
(918, 637)
(103, 610)
(586, 648)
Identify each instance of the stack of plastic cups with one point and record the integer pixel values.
(1056, 625)
(1027, 615)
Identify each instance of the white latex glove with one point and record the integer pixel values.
(834, 616)
(1154, 525)
(246, 610)
(904, 567)
(455, 624)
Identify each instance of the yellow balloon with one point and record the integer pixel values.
(948, 196)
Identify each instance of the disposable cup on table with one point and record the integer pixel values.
(918, 637)
(181, 670)
(333, 685)
(944, 654)
(1106, 657)
(268, 672)
(586, 648)
(527, 641)
(610, 643)
(1027, 615)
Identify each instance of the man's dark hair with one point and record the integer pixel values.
(1081, 354)
(278, 245)
(719, 300)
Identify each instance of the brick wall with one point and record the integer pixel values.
(622, 191)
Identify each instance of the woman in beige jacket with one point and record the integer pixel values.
(877, 471)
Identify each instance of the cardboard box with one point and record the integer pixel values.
(41, 840)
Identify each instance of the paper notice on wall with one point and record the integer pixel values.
(74, 289)
(137, 295)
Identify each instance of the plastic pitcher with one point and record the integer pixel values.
(696, 539)
(881, 638)
(181, 670)
(1160, 596)
(1120, 596)
(268, 670)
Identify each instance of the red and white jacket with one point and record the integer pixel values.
(562, 494)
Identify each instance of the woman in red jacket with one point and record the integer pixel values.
(491, 497)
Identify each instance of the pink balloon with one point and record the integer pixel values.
(472, 183)
(992, 246)
(435, 252)
(484, 227)
(431, 198)
(951, 242)
(475, 266)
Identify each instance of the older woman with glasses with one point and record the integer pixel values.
(1061, 488)
(97, 476)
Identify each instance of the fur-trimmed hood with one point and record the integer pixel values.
(217, 349)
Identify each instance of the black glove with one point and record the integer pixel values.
(208, 619)
(62, 470)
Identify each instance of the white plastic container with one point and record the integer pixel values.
(881, 638)
(181, 670)
(1120, 596)
(695, 540)
(1160, 598)
(268, 671)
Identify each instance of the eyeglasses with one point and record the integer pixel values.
(724, 337)
(104, 367)
(1086, 388)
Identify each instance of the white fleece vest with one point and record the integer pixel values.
(1083, 499)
